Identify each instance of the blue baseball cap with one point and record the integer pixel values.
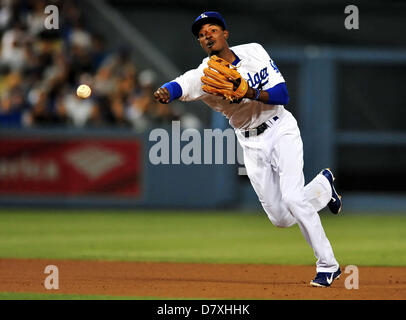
(208, 17)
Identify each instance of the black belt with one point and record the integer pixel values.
(258, 130)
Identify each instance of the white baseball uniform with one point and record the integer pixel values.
(274, 158)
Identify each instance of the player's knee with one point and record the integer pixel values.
(284, 222)
(279, 216)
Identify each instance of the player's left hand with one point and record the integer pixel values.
(223, 79)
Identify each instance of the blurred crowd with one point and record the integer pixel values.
(41, 68)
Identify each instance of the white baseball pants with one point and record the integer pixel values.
(274, 164)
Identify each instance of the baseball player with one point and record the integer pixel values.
(245, 85)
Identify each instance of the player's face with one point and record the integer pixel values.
(213, 38)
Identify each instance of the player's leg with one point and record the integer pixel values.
(321, 192)
(288, 154)
(318, 192)
(265, 182)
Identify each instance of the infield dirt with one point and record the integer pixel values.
(192, 280)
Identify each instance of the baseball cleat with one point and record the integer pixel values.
(325, 279)
(335, 205)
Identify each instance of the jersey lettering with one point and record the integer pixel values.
(259, 79)
(274, 66)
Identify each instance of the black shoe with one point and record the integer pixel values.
(335, 205)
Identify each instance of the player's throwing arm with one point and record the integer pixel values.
(162, 95)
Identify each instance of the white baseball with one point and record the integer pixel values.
(83, 91)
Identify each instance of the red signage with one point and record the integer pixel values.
(71, 167)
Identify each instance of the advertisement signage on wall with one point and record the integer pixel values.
(70, 167)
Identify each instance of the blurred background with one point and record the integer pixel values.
(346, 90)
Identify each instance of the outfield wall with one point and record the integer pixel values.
(104, 168)
(112, 168)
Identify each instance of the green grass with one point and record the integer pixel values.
(195, 236)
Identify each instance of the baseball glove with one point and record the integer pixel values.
(223, 79)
